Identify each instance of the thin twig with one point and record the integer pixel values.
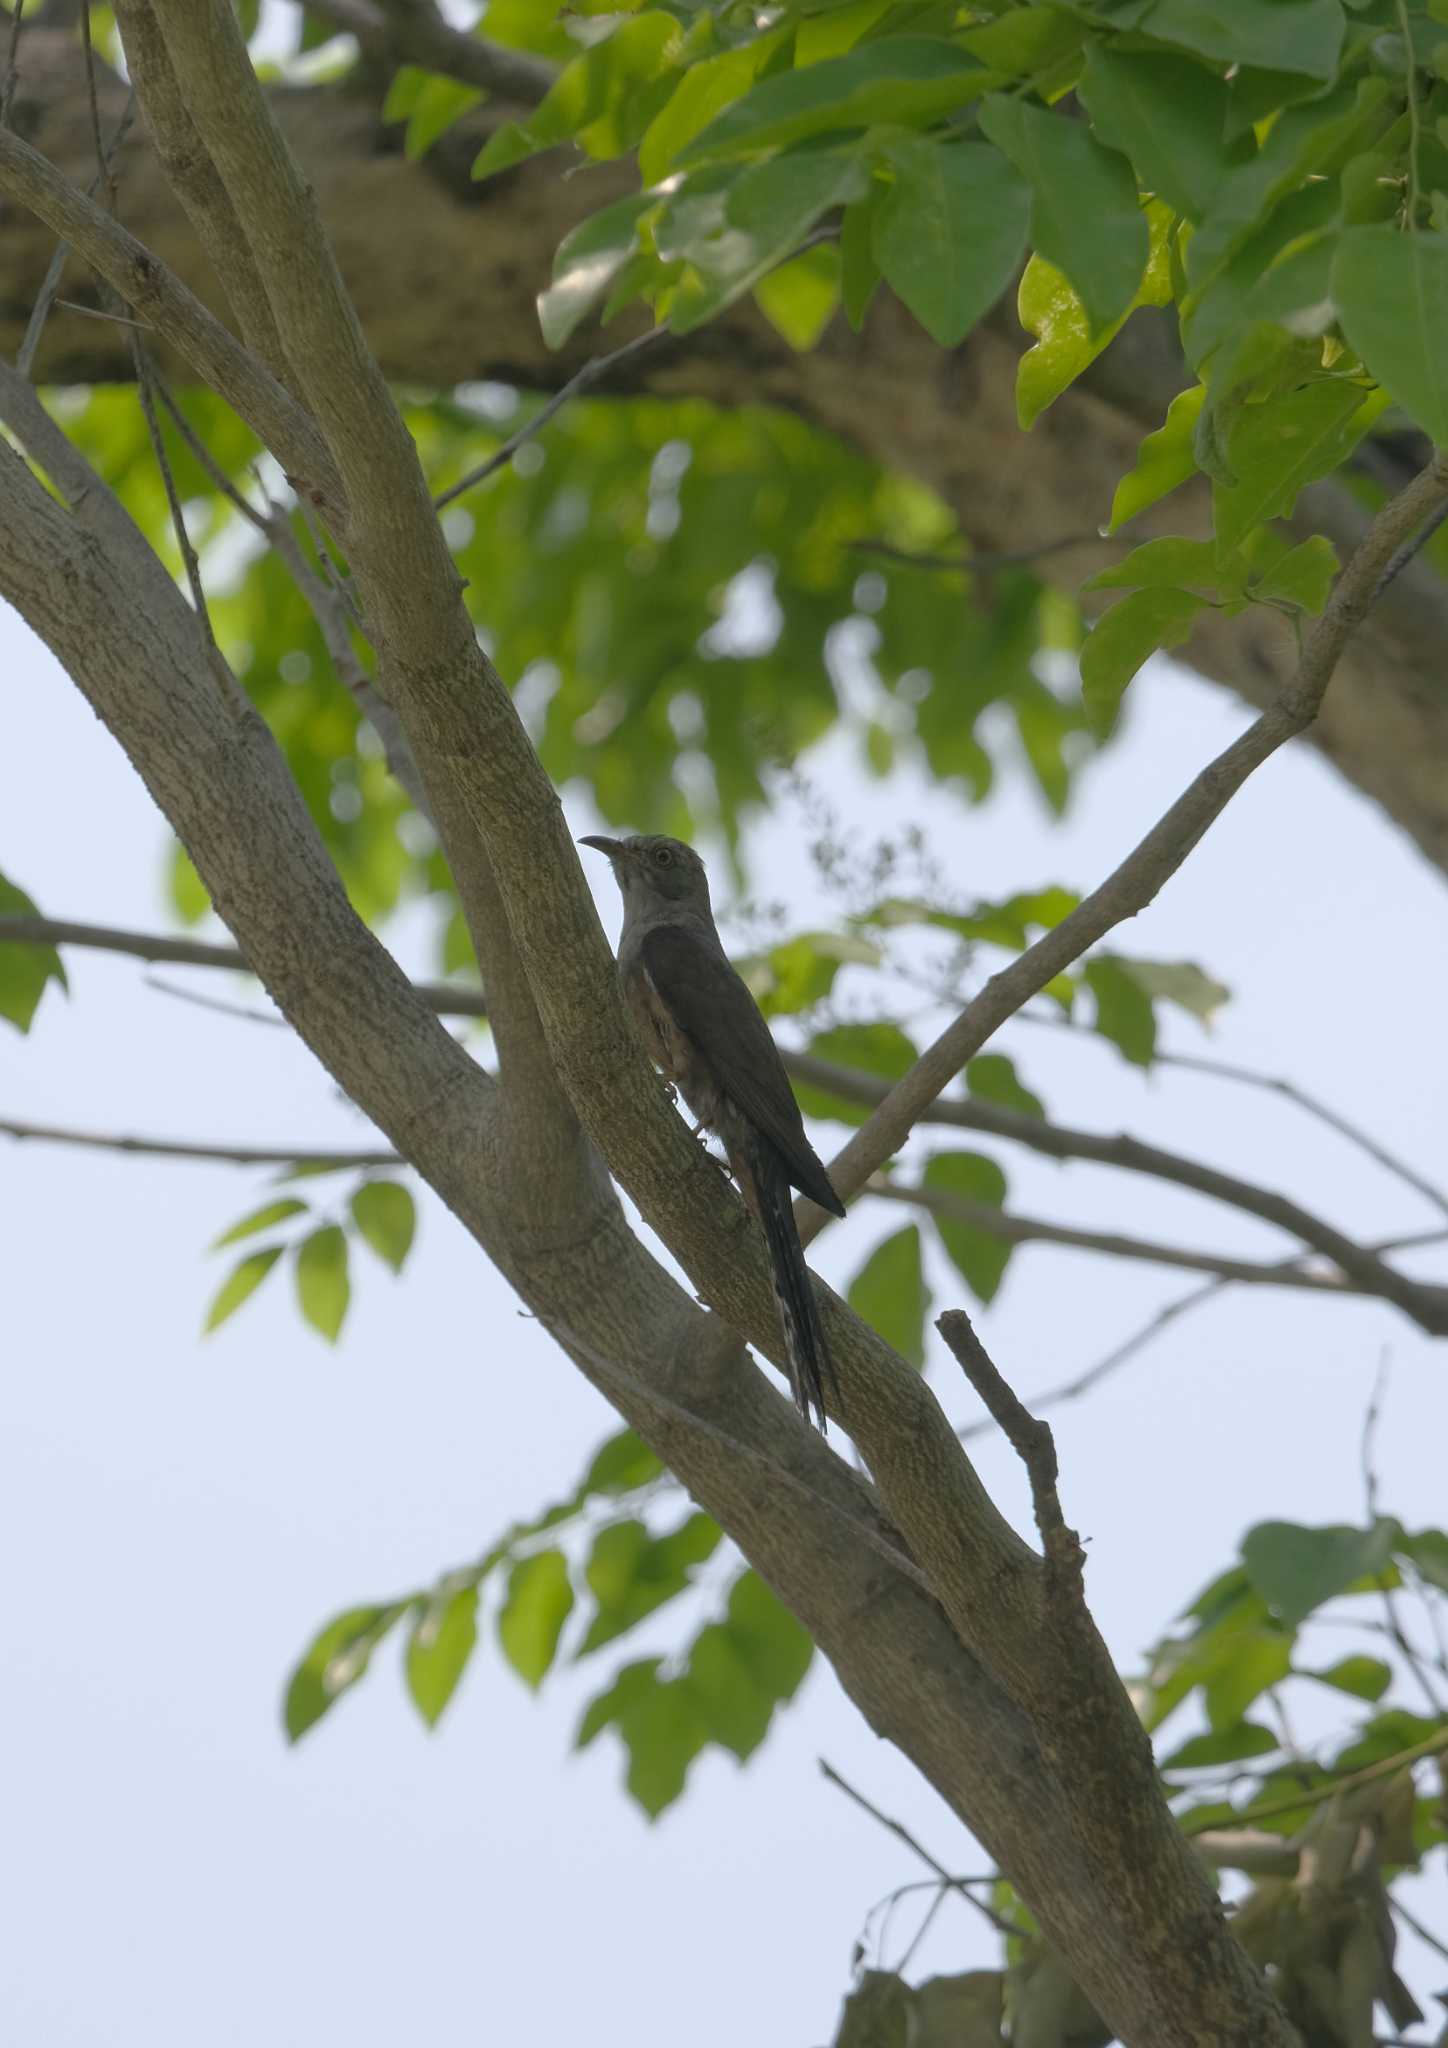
(1034, 1445)
(221, 1155)
(217, 1004)
(1013, 1228)
(579, 381)
(1083, 1382)
(50, 284)
(152, 946)
(1431, 1745)
(1143, 873)
(1272, 1084)
(141, 364)
(1057, 1141)
(927, 1922)
(204, 456)
(903, 1834)
(100, 313)
(1411, 548)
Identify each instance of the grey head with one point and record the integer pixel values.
(658, 877)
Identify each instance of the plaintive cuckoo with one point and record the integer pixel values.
(703, 1030)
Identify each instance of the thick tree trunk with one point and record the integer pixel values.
(445, 273)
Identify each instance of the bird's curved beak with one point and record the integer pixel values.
(612, 847)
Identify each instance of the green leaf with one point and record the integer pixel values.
(605, 81)
(889, 1292)
(260, 1219)
(1123, 639)
(24, 969)
(881, 1049)
(539, 1601)
(619, 1465)
(949, 232)
(323, 1288)
(1086, 218)
(1392, 299)
(800, 298)
(1066, 341)
(1123, 1008)
(442, 1640)
(1260, 1658)
(1366, 1678)
(972, 1177)
(735, 1709)
(992, 1077)
(663, 1734)
(437, 106)
(613, 1705)
(631, 1573)
(241, 1282)
(768, 210)
(907, 79)
(1178, 981)
(1303, 36)
(386, 1216)
(800, 972)
(774, 1646)
(1296, 1569)
(1276, 448)
(1224, 1746)
(334, 1660)
(703, 92)
(1161, 564)
(859, 272)
(1164, 460)
(587, 262)
(660, 1724)
(1168, 115)
(1304, 576)
(1429, 1552)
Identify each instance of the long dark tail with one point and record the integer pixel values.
(804, 1338)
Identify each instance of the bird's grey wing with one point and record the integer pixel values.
(707, 999)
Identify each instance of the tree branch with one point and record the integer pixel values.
(223, 1155)
(1139, 878)
(424, 39)
(1016, 1229)
(164, 303)
(1133, 1155)
(1035, 1446)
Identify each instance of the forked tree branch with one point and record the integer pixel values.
(1156, 857)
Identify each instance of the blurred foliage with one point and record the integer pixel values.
(683, 599)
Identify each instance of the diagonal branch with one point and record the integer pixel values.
(416, 36)
(159, 298)
(1370, 1274)
(1156, 857)
(1015, 1229)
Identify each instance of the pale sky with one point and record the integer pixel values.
(180, 1516)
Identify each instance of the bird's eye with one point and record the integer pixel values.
(662, 857)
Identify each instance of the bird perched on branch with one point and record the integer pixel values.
(703, 1029)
